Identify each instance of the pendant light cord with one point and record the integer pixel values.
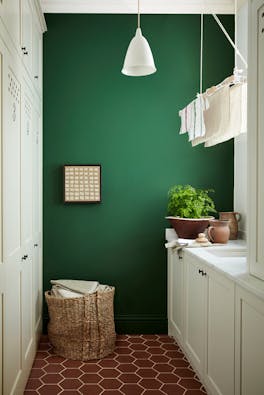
(138, 16)
(201, 56)
(236, 36)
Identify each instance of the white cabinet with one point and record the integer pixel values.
(195, 312)
(175, 294)
(249, 344)
(201, 318)
(256, 139)
(20, 200)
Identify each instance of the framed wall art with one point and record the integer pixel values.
(82, 183)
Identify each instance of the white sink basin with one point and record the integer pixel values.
(228, 253)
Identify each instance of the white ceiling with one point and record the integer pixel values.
(146, 6)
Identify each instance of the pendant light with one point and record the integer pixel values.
(139, 59)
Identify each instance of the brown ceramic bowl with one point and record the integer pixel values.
(188, 228)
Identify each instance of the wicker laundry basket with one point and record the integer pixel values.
(82, 328)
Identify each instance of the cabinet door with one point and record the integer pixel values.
(11, 227)
(26, 228)
(37, 261)
(10, 14)
(256, 140)
(219, 373)
(195, 312)
(175, 294)
(249, 344)
(26, 33)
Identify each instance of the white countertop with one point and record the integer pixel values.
(232, 267)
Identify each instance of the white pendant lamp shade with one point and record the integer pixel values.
(139, 59)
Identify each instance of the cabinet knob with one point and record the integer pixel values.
(203, 274)
(36, 77)
(25, 53)
(200, 271)
(23, 48)
(35, 245)
(24, 257)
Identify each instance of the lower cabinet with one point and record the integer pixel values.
(249, 344)
(202, 320)
(175, 295)
(195, 312)
(220, 334)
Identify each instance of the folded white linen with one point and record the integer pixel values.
(216, 117)
(79, 286)
(64, 293)
(233, 126)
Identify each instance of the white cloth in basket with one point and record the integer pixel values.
(77, 286)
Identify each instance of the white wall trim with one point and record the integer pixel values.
(39, 12)
(146, 6)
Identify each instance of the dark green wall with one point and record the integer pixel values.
(94, 114)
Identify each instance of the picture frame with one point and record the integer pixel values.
(82, 183)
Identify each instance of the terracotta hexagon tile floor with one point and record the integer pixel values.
(140, 365)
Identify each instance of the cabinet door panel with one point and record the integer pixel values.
(26, 225)
(11, 228)
(249, 344)
(175, 297)
(195, 305)
(220, 335)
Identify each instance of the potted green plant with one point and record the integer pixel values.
(189, 210)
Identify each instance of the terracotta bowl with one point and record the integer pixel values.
(188, 228)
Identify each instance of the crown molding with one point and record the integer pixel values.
(146, 6)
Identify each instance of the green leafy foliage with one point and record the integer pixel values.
(189, 202)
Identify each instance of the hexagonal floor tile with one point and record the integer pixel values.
(70, 384)
(52, 378)
(168, 378)
(147, 373)
(173, 389)
(110, 384)
(151, 384)
(108, 363)
(50, 389)
(130, 378)
(127, 368)
(90, 368)
(90, 378)
(53, 368)
(71, 373)
(132, 389)
(163, 367)
(90, 389)
(109, 373)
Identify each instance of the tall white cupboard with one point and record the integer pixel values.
(21, 28)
